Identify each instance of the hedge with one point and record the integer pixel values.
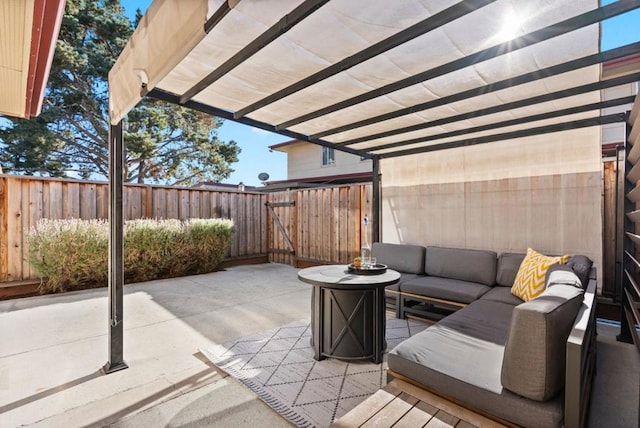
(73, 254)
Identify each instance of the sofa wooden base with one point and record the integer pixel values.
(407, 304)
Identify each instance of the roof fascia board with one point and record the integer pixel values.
(34, 54)
(161, 95)
(546, 33)
(51, 23)
(426, 25)
(285, 23)
(493, 87)
(547, 129)
(511, 122)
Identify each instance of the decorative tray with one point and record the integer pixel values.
(378, 269)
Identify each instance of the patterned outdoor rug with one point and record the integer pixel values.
(278, 366)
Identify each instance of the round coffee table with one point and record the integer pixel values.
(347, 312)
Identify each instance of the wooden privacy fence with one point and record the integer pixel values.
(25, 200)
(298, 227)
(321, 225)
(324, 225)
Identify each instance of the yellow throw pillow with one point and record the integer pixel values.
(529, 282)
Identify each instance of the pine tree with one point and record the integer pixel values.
(164, 143)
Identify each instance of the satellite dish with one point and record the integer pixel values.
(263, 176)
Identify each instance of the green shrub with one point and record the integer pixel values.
(73, 254)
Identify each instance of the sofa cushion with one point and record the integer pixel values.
(530, 280)
(393, 287)
(508, 265)
(461, 357)
(534, 355)
(406, 277)
(465, 265)
(403, 278)
(444, 288)
(502, 295)
(401, 257)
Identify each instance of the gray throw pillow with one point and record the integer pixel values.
(581, 265)
(562, 274)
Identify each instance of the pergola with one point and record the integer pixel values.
(378, 79)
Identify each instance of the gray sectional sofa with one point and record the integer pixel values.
(528, 364)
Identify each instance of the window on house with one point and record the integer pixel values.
(328, 156)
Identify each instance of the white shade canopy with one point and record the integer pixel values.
(377, 78)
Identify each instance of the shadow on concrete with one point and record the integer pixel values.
(46, 393)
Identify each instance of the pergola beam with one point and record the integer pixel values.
(482, 90)
(220, 13)
(285, 23)
(549, 32)
(161, 95)
(548, 129)
(426, 25)
(518, 121)
(564, 93)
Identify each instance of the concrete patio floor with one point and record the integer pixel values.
(52, 349)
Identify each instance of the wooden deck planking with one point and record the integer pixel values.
(368, 408)
(465, 414)
(392, 412)
(418, 416)
(442, 419)
(401, 404)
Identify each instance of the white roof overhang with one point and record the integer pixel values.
(378, 78)
(28, 34)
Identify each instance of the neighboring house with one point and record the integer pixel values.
(311, 165)
(225, 187)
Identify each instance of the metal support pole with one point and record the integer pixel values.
(628, 246)
(376, 206)
(618, 271)
(116, 250)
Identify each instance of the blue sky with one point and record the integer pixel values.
(256, 158)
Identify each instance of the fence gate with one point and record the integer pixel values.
(318, 225)
(282, 220)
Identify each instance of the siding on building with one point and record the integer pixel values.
(305, 160)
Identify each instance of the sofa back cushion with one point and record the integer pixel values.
(465, 265)
(401, 257)
(508, 265)
(534, 355)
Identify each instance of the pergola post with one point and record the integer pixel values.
(628, 249)
(375, 208)
(116, 250)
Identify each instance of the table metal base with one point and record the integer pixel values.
(348, 324)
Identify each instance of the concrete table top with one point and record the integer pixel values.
(338, 276)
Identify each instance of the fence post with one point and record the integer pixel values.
(4, 239)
